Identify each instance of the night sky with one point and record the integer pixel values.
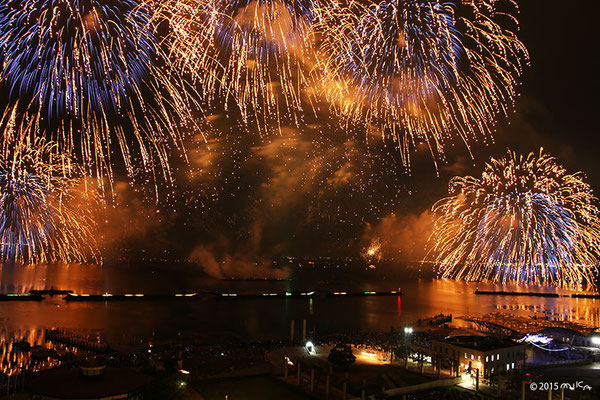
(320, 191)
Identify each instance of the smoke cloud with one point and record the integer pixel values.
(402, 237)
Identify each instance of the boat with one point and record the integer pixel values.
(50, 292)
(267, 295)
(586, 295)
(505, 293)
(366, 293)
(20, 297)
(130, 297)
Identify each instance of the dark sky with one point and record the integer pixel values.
(561, 86)
(321, 192)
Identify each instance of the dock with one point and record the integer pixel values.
(70, 339)
(521, 325)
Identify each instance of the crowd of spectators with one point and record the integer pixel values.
(373, 340)
(200, 359)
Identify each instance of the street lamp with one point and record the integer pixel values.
(407, 331)
(310, 347)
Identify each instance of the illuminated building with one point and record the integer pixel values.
(489, 355)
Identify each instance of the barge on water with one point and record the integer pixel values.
(50, 292)
(505, 293)
(267, 295)
(366, 293)
(129, 297)
(255, 279)
(20, 297)
(586, 295)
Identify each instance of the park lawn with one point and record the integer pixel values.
(250, 388)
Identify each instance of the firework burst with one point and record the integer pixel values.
(44, 216)
(525, 220)
(88, 73)
(424, 71)
(374, 251)
(251, 52)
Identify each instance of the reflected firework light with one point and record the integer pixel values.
(88, 73)
(434, 72)
(525, 220)
(44, 213)
(245, 51)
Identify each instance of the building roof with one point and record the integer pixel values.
(559, 330)
(480, 343)
(70, 384)
(451, 331)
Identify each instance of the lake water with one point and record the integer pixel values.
(250, 319)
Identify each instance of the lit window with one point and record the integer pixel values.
(486, 358)
(513, 365)
(478, 358)
(466, 355)
(498, 356)
(507, 367)
(472, 357)
(492, 357)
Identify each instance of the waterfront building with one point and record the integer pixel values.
(571, 337)
(487, 355)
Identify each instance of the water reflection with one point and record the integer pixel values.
(134, 324)
(29, 350)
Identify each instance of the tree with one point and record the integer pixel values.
(341, 356)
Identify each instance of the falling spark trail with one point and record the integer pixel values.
(526, 220)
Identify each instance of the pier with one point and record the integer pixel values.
(70, 339)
